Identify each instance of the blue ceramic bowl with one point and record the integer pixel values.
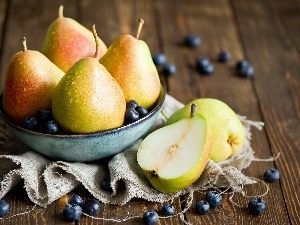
(87, 147)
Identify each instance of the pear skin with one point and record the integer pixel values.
(29, 84)
(228, 133)
(129, 61)
(88, 99)
(67, 41)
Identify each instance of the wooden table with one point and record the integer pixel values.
(267, 33)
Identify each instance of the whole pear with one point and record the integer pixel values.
(228, 133)
(67, 41)
(29, 84)
(129, 61)
(173, 157)
(88, 99)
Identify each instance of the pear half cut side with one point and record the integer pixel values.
(173, 157)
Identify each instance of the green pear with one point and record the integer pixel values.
(87, 99)
(67, 41)
(29, 84)
(173, 157)
(129, 61)
(228, 133)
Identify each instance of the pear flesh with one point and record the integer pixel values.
(67, 41)
(173, 157)
(228, 133)
(29, 84)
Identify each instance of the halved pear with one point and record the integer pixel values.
(174, 156)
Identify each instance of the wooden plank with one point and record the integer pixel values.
(274, 40)
(214, 22)
(114, 18)
(31, 19)
(3, 6)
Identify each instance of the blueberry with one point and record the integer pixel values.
(44, 115)
(168, 209)
(214, 199)
(159, 59)
(131, 104)
(201, 62)
(169, 69)
(31, 122)
(192, 40)
(72, 212)
(242, 64)
(224, 56)
(91, 207)
(150, 217)
(131, 115)
(271, 175)
(76, 199)
(106, 183)
(257, 206)
(207, 69)
(142, 111)
(247, 71)
(49, 127)
(202, 207)
(4, 208)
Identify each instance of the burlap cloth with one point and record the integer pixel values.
(45, 180)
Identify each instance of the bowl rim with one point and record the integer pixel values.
(158, 104)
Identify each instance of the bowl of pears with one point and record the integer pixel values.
(94, 104)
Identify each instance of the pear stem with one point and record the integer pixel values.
(97, 53)
(24, 44)
(141, 23)
(61, 11)
(193, 110)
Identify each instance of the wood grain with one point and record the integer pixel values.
(264, 32)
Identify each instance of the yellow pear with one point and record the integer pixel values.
(129, 61)
(67, 41)
(228, 133)
(88, 99)
(29, 84)
(173, 157)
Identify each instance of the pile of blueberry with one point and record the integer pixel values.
(134, 111)
(76, 206)
(42, 122)
(203, 64)
(151, 217)
(160, 60)
(211, 201)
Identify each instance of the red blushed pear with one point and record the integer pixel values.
(88, 99)
(30, 80)
(129, 61)
(67, 41)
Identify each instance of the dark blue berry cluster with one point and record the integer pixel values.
(192, 40)
(134, 112)
(151, 217)
(245, 69)
(76, 207)
(204, 66)
(160, 60)
(42, 122)
(211, 201)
